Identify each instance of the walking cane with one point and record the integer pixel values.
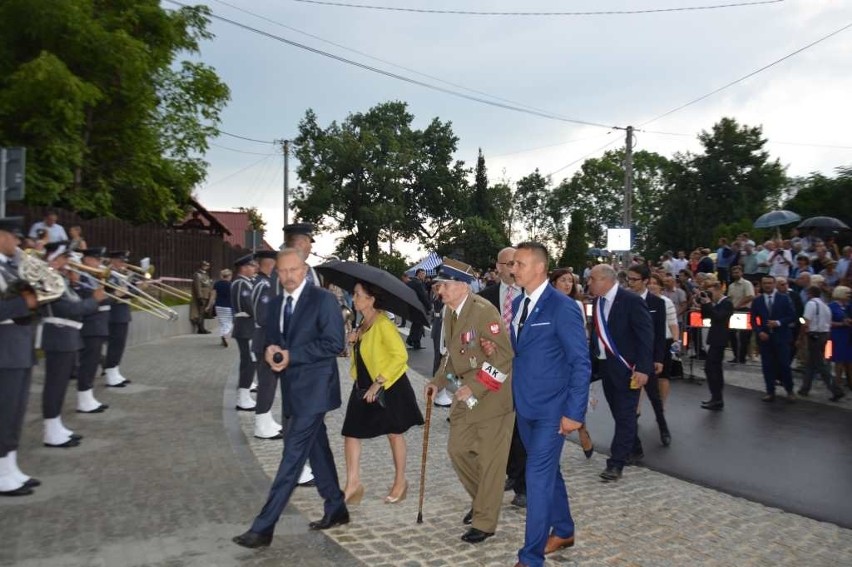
(423, 458)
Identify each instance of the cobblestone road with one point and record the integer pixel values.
(646, 519)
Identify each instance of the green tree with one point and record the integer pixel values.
(374, 178)
(256, 221)
(114, 123)
(476, 241)
(577, 244)
(532, 193)
(819, 195)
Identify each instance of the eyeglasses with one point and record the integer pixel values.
(510, 263)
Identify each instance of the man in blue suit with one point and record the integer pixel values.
(623, 353)
(305, 358)
(771, 315)
(551, 372)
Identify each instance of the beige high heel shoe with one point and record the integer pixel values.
(396, 500)
(356, 496)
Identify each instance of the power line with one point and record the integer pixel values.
(241, 137)
(539, 148)
(752, 74)
(399, 77)
(240, 151)
(230, 175)
(484, 13)
(373, 57)
(584, 156)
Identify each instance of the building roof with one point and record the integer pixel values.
(237, 223)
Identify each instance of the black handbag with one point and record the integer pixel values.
(380, 396)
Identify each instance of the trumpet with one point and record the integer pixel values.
(143, 300)
(101, 272)
(144, 272)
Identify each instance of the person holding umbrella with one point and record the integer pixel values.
(382, 401)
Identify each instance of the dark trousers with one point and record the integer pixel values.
(775, 363)
(90, 358)
(622, 402)
(267, 381)
(437, 324)
(306, 438)
(714, 372)
(416, 333)
(58, 367)
(652, 389)
(517, 464)
(547, 499)
(14, 394)
(723, 274)
(115, 344)
(739, 341)
(246, 363)
(201, 304)
(818, 365)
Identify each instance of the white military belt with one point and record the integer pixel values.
(242, 314)
(7, 322)
(60, 322)
(104, 307)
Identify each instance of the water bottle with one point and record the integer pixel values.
(454, 383)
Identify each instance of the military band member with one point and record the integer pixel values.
(479, 435)
(60, 339)
(17, 358)
(265, 426)
(202, 285)
(119, 322)
(241, 288)
(95, 333)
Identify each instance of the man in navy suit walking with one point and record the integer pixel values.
(551, 373)
(771, 315)
(305, 358)
(623, 354)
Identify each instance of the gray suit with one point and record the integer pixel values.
(17, 358)
(241, 288)
(61, 340)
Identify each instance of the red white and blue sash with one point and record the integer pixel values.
(606, 339)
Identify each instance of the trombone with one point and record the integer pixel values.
(145, 270)
(144, 302)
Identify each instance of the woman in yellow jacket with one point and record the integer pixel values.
(382, 400)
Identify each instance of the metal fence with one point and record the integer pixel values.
(174, 252)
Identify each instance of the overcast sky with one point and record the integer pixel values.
(612, 70)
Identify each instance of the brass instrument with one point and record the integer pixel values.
(146, 270)
(144, 273)
(101, 272)
(47, 283)
(142, 300)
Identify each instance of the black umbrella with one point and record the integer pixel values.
(823, 223)
(397, 297)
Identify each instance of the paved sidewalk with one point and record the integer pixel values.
(646, 519)
(156, 480)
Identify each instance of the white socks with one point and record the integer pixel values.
(9, 481)
(86, 402)
(113, 376)
(54, 433)
(244, 399)
(307, 474)
(18, 474)
(265, 426)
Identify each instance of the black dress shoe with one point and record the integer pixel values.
(67, 445)
(329, 521)
(468, 518)
(474, 535)
(665, 438)
(100, 409)
(611, 474)
(32, 483)
(519, 501)
(308, 483)
(20, 491)
(768, 398)
(635, 459)
(713, 405)
(119, 385)
(253, 540)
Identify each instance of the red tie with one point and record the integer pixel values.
(507, 307)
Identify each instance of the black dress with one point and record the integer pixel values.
(366, 421)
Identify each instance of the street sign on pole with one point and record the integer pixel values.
(12, 170)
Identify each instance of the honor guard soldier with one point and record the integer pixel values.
(17, 357)
(60, 340)
(202, 285)
(95, 333)
(241, 288)
(265, 426)
(119, 321)
(482, 416)
(300, 236)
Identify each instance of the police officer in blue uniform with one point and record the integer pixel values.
(61, 323)
(17, 357)
(241, 290)
(95, 333)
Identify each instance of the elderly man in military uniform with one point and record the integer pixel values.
(241, 288)
(202, 285)
(482, 415)
(17, 358)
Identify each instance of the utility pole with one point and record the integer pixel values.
(286, 180)
(628, 187)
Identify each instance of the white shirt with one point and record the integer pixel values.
(679, 264)
(671, 315)
(818, 316)
(780, 262)
(55, 233)
(458, 309)
(297, 293)
(610, 298)
(504, 289)
(533, 297)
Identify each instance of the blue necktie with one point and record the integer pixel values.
(286, 314)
